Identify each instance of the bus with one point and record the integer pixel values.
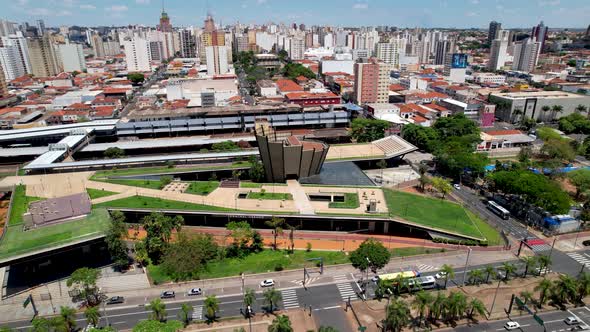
(403, 274)
(499, 210)
(427, 282)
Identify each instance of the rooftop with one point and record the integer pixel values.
(538, 94)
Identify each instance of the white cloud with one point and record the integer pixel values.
(471, 14)
(142, 2)
(117, 8)
(360, 5)
(88, 7)
(549, 3)
(40, 11)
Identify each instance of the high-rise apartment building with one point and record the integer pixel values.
(493, 31)
(188, 44)
(137, 54)
(388, 53)
(217, 63)
(97, 45)
(72, 57)
(526, 55)
(296, 48)
(540, 33)
(44, 62)
(371, 82)
(210, 37)
(441, 49)
(498, 51)
(40, 27)
(7, 28)
(3, 85)
(11, 62)
(20, 42)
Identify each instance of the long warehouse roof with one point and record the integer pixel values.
(163, 142)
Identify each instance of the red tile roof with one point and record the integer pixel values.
(396, 87)
(503, 132)
(308, 95)
(288, 86)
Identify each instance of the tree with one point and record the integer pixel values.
(157, 326)
(544, 263)
(280, 324)
(277, 225)
(224, 146)
(92, 316)
(397, 316)
(529, 262)
(382, 164)
(546, 109)
(159, 229)
(449, 273)
(581, 180)
(544, 287)
(583, 282)
(425, 138)
(442, 185)
(581, 108)
(83, 281)
(271, 297)
(489, 270)
(556, 109)
(136, 78)
(476, 308)
(366, 130)
(158, 309)
(421, 302)
(455, 306)
(283, 55)
(564, 289)
(558, 149)
(508, 269)
(475, 276)
(437, 307)
(378, 256)
(249, 299)
(256, 171)
(294, 70)
(187, 258)
(242, 234)
(211, 306)
(185, 313)
(68, 316)
(114, 153)
(114, 239)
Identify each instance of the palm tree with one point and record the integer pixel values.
(92, 316)
(397, 316)
(421, 302)
(475, 277)
(277, 224)
(489, 271)
(526, 296)
(583, 286)
(158, 309)
(249, 298)
(68, 316)
(449, 273)
(556, 109)
(564, 289)
(280, 324)
(211, 305)
(437, 306)
(271, 297)
(185, 313)
(455, 305)
(529, 262)
(508, 269)
(545, 110)
(581, 108)
(544, 263)
(543, 288)
(476, 307)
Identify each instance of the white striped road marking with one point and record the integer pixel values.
(289, 297)
(197, 312)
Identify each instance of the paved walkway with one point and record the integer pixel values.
(300, 197)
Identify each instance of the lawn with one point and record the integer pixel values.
(265, 261)
(96, 193)
(164, 169)
(351, 201)
(16, 241)
(269, 196)
(244, 184)
(20, 204)
(490, 233)
(149, 184)
(412, 251)
(144, 202)
(431, 212)
(202, 187)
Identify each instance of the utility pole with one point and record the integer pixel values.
(553, 245)
(495, 294)
(466, 264)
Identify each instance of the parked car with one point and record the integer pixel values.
(571, 320)
(267, 283)
(440, 275)
(194, 291)
(581, 327)
(375, 279)
(586, 243)
(457, 186)
(167, 295)
(511, 325)
(116, 300)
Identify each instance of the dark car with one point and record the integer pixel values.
(167, 295)
(586, 243)
(116, 300)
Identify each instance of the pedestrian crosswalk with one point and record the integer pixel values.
(344, 286)
(540, 247)
(197, 312)
(308, 281)
(426, 268)
(340, 278)
(290, 300)
(583, 259)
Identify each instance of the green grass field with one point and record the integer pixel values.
(264, 261)
(490, 233)
(164, 170)
(16, 241)
(351, 201)
(143, 202)
(431, 212)
(97, 193)
(259, 185)
(270, 196)
(20, 204)
(149, 184)
(412, 251)
(202, 187)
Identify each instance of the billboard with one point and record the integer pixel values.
(459, 60)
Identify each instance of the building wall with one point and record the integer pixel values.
(42, 56)
(72, 57)
(137, 54)
(3, 87)
(10, 62)
(533, 106)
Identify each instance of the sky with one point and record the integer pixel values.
(400, 13)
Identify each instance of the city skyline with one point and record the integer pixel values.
(424, 13)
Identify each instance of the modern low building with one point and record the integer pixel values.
(531, 103)
(202, 92)
(286, 156)
(503, 139)
(306, 99)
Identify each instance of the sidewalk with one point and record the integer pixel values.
(11, 308)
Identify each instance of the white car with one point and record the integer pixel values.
(511, 325)
(457, 186)
(440, 275)
(194, 291)
(572, 320)
(375, 279)
(267, 283)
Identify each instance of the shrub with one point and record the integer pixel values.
(278, 267)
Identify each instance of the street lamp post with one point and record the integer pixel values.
(495, 294)
(466, 264)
